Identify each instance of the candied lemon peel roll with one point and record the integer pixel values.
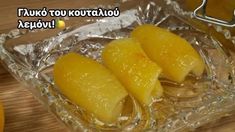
(171, 52)
(90, 85)
(139, 75)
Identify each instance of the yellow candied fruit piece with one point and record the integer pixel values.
(90, 85)
(171, 52)
(139, 75)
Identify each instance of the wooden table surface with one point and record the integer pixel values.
(22, 112)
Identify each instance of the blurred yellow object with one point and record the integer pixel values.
(134, 69)
(1, 117)
(172, 53)
(90, 85)
(222, 9)
(218, 9)
(60, 24)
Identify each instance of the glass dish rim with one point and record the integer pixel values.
(7, 59)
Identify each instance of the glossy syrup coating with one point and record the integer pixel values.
(171, 52)
(90, 85)
(126, 59)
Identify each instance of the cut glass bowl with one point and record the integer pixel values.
(30, 55)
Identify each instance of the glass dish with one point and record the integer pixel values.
(30, 55)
